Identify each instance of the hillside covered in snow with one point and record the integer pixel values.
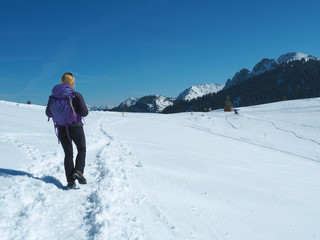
(213, 175)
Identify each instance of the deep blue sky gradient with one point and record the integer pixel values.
(119, 49)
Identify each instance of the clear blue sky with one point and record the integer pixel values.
(118, 49)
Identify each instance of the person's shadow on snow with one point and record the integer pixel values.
(46, 179)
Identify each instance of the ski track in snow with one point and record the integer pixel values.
(284, 130)
(248, 141)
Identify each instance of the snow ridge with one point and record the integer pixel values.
(162, 102)
(153, 103)
(265, 65)
(199, 91)
(295, 56)
(129, 102)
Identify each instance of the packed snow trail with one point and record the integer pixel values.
(150, 176)
(38, 206)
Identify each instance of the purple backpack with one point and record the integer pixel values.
(61, 109)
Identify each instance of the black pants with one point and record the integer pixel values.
(76, 134)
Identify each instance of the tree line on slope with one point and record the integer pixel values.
(293, 80)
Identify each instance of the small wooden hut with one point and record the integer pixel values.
(228, 105)
(228, 108)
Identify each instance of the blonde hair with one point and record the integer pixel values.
(68, 78)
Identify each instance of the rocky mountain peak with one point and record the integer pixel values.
(295, 56)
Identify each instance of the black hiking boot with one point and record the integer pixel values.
(71, 185)
(79, 176)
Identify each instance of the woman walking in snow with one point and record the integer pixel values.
(70, 130)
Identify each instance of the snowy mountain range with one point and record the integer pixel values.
(291, 76)
(265, 65)
(158, 103)
(154, 103)
(199, 90)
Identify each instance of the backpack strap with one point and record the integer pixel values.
(57, 132)
(74, 112)
(48, 108)
(68, 134)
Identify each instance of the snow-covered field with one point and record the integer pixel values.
(214, 175)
